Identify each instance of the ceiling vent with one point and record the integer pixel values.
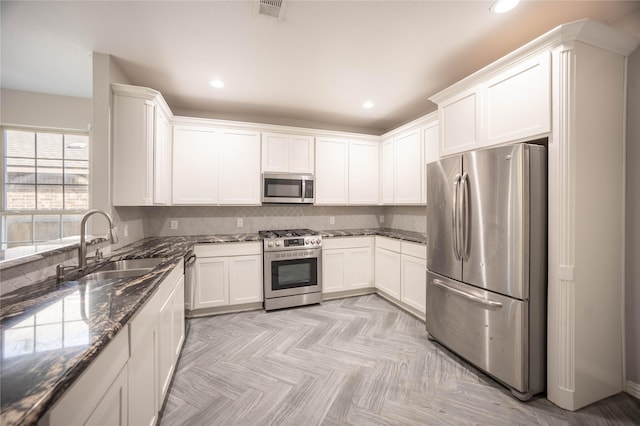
(270, 8)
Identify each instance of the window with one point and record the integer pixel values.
(46, 185)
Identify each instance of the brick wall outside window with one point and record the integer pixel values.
(45, 185)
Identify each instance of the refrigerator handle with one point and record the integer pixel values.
(463, 217)
(455, 226)
(489, 304)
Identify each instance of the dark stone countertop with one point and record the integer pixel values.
(415, 237)
(47, 344)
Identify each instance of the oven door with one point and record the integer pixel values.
(288, 273)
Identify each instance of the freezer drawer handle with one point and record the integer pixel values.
(491, 304)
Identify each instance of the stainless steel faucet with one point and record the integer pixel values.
(82, 250)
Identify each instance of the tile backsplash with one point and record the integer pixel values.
(224, 220)
(408, 218)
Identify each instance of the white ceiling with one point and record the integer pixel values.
(314, 67)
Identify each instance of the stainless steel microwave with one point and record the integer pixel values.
(288, 188)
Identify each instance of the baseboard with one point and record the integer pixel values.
(632, 389)
(229, 309)
(348, 293)
(408, 309)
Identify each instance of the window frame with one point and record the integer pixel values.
(4, 212)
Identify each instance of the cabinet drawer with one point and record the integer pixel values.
(345, 242)
(388, 243)
(414, 249)
(228, 249)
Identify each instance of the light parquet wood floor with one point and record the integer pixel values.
(355, 361)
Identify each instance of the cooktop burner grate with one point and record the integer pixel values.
(287, 233)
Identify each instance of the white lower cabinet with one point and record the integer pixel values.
(170, 338)
(142, 380)
(227, 274)
(387, 277)
(156, 335)
(413, 281)
(113, 407)
(347, 264)
(101, 392)
(122, 385)
(401, 273)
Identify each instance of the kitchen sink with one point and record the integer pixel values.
(120, 265)
(123, 269)
(113, 275)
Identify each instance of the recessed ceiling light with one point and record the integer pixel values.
(501, 6)
(218, 84)
(368, 105)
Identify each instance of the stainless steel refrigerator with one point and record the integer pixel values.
(486, 261)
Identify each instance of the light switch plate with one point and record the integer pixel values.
(381, 219)
(240, 222)
(174, 224)
(332, 220)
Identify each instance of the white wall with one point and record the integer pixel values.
(632, 295)
(630, 23)
(43, 110)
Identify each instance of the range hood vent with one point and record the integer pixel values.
(270, 8)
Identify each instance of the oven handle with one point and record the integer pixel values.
(275, 255)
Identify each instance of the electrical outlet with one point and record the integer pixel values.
(240, 222)
(126, 231)
(174, 224)
(332, 220)
(381, 219)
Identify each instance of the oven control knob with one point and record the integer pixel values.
(270, 244)
(277, 243)
(318, 240)
(308, 241)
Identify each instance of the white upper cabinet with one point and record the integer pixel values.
(195, 165)
(512, 104)
(162, 158)
(408, 166)
(387, 168)
(284, 153)
(332, 171)
(517, 101)
(239, 167)
(213, 166)
(347, 172)
(404, 154)
(139, 114)
(460, 122)
(430, 146)
(363, 172)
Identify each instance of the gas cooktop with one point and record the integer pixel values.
(287, 233)
(290, 239)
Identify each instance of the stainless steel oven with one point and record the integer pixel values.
(292, 268)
